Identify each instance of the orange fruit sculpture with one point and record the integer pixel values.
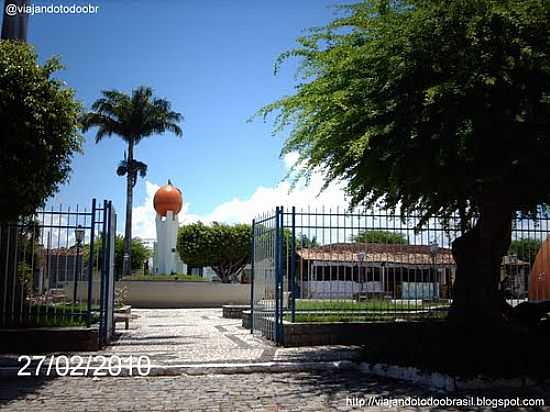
(167, 198)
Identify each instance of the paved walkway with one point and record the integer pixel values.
(275, 392)
(203, 336)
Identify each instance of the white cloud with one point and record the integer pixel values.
(143, 217)
(243, 210)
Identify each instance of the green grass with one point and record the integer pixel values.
(322, 311)
(58, 315)
(161, 278)
(70, 307)
(363, 317)
(57, 322)
(368, 305)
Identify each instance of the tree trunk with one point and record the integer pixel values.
(127, 253)
(478, 256)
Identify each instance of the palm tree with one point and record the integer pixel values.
(132, 118)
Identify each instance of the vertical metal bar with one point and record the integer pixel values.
(108, 273)
(6, 263)
(24, 272)
(75, 262)
(252, 259)
(276, 294)
(102, 276)
(111, 273)
(18, 235)
(277, 273)
(293, 266)
(280, 278)
(91, 264)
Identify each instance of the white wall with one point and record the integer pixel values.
(82, 291)
(419, 290)
(337, 289)
(171, 294)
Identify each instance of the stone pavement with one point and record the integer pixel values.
(186, 338)
(302, 391)
(203, 336)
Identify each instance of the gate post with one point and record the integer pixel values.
(292, 280)
(252, 259)
(107, 272)
(279, 307)
(102, 285)
(111, 272)
(91, 264)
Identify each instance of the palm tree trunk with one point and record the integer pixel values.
(15, 27)
(127, 259)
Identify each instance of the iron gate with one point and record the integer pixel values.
(267, 303)
(57, 269)
(318, 265)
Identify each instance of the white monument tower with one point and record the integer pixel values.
(167, 203)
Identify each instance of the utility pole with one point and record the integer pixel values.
(14, 23)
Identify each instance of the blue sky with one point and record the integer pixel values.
(213, 59)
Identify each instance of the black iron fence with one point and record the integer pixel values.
(56, 269)
(332, 265)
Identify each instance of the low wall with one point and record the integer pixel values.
(234, 311)
(170, 294)
(339, 333)
(82, 291)
(354, 333)
(246, 317)
(174, 294)
(42, 340)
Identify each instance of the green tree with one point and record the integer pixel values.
(39, 132)
(133, 118)
(432, 107)
(380, 236)
(225, 248)
(303, 241)
(140, 254)
(525, 249)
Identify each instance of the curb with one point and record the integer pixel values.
(443, 382)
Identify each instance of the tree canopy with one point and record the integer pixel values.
(140, 253)
(39, 132)
(132, 117)
(380, 236)
(432, 107)
(525, 249)
(225, 248)
(426, 105)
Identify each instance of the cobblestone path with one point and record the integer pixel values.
(303, 391)
(193, 336)
(187, 337)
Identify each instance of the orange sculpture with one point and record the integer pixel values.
(539, 286)
(167, 198)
